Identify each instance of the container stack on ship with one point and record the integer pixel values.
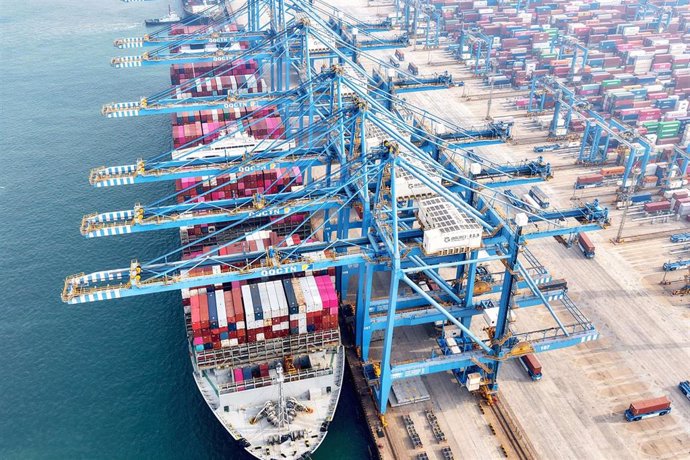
(266, 353)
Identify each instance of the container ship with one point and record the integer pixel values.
(266, 356)
(200, 8)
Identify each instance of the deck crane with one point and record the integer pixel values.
(376, 172)
(594, 146)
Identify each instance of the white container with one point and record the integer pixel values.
(669, 193)
(272, 299)
(282, 300)
(220, 306)
(631, 30)
(316, 295)
(473, 381)
(265, 301)
(675, 183)
(248, 305)
(306, 292)
(490, 316)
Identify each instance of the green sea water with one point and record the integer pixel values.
(109, 379)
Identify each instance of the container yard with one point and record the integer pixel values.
(475, 213)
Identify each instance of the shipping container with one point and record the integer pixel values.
(532, 366)
(593, 180)
(540, 197)
(585, 245)
(639, 410)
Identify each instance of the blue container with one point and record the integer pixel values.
(642, 198)
(212, 309)
(247, 373)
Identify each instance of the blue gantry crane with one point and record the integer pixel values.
(599, 131)
(376, 159)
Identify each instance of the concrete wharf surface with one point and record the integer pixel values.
(576, 410)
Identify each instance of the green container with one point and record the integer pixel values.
(614, 82)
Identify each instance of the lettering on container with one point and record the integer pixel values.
(270, 212)
(278, 271)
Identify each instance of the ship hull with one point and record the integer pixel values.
(158, 22)
(235, 410)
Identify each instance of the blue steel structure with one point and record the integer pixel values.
(658, 16)
(365, 152)
(571, 48)
(479, 46)
(599, 131)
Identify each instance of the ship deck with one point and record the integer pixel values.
(237, 405)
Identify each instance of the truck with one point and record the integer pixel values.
(684, 387)
(394, 61)
(673, 266)
(635, 199)
(531, 365)
(540, 197)
(586, 245)
(546, 148)
(412, 67)
(593, 180)
(655, 407)
(680, 238)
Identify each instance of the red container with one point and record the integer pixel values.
(585, 242)
(679, 202)
(612, 171)
(591, 179)
(650, 405)
(532, 363)
(657, 206)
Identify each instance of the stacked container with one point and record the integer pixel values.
(241, 185)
